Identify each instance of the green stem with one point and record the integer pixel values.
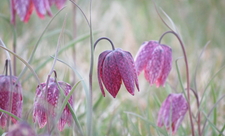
(89, 97)
(89, 118)
(10, 114)
(14, 49)
(188, 82)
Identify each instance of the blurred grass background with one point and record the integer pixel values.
(128, 24)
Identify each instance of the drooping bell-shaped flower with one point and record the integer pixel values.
(11, 98)
(115, 66)
(47, 104)
(172, 112)
(59, 3)
(21, 129)
(24, 8)
(156, 61)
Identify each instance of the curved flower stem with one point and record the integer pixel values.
(6, 52)
(14, 49)
(90, 105)
(89, 97)
(198, 114)
(188, 82)
(104, 38)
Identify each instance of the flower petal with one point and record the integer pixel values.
(59, 3)
(172, 112)
(111, 75)
(154, 66)
(24, 9)
(6, 84)
(133, 72)
(41, 7)
(167, 66)
(21, 129)
(144, 55)
(125, 68)
(101, 59)
(40, 115)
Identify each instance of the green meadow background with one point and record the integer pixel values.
(128, 23)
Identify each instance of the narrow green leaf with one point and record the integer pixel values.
(207, 85)
(35, 47)
(170, 20)
(221, 132)
(147, 121)
(98, 102)
(10, 114)
(214, 106)
(66, 103)
(197, 66)
(27, 64)
(210, 123)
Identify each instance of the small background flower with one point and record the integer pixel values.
(24, 8)
(7, 83)
(156, 61)
(46, 110)
(172, 112)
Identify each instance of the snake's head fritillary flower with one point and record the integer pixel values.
(48, 103)
(115, 66)
(24, 8)
(156, 61)
(21, 129)
(59, 3)
(11, 98)
(172, 112)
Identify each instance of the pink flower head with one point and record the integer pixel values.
(21, 129)
(50, 104)
(115, 66)
(59, 3)
(10, 87)
(24, 8)
(172, 112)
(156, 61)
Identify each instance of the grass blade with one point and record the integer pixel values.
(35, 47)
(10, 114)
(207, 85)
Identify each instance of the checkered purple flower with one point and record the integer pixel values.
(24, 8)
(10, 87)
(156, 61)
(47, 106)
(115, 66)
(172, 112)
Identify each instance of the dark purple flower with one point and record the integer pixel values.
(172, 112)
(115, 66)
(9, 86)
(50, 104)
(24, 8)
(156, 61)
(21, 129)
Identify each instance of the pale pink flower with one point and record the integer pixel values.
(115, 66)
(45, 106)
(172, 112)
(24, 8)
(21, 129)
(156, 61)
(9, 86)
